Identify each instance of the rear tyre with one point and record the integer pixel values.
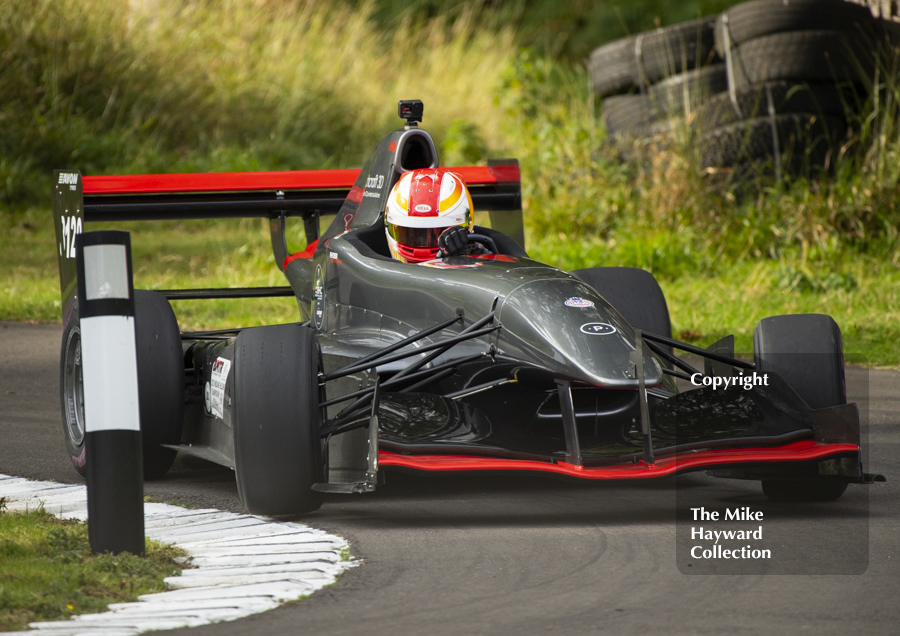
(160, 380)
(276, 420)
(635, 294)
(160, 384)
(71, 394)
(806, 351)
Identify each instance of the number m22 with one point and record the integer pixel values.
(71, 226)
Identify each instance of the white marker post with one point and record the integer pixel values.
(115, 487)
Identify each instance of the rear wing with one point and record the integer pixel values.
(276, 196)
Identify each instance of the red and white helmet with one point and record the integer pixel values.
(421, 205)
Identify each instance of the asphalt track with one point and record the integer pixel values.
(523, 555)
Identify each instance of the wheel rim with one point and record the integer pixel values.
(74, 388)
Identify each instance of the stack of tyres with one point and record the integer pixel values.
(798, 71)
(648, 79)
(766, 83)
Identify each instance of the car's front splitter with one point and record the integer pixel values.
(800, 451)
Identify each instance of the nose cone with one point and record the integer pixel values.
(566, 327)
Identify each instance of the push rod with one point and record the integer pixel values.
(409, 378)
(678, 362)
(700, 352)
(400, 356)
(399, 345)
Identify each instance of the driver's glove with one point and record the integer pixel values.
(454, 241)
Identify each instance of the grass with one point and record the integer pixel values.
(49, 573)
(259, 85)
(707, 299)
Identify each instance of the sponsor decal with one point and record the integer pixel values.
(318, 303)
(68, 178)
(207, 397)
(578, 302)
(392, 146)
(597, 329)
(717, 381)
(423, 207)
(376, 182)
(220, 370)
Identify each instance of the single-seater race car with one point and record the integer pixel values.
(486, 362)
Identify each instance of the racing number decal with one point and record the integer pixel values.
(71, 226)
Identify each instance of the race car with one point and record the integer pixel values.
(475, 362)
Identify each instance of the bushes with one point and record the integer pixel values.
(241, 85)
(117, 87)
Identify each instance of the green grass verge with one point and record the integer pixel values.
(48, 572)
(708, 299)
(271, 85)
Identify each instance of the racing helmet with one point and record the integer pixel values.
(422, 204)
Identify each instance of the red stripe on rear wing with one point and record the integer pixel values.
(254, 181)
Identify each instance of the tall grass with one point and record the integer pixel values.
(109, 86)
(664, 212)
(183, 85)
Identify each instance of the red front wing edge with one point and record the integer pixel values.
(794, 452)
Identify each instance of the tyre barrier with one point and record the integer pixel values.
(628, 64)
(749, 84)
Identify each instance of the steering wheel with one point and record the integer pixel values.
(486, 241)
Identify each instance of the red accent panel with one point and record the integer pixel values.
(425, 192)
(797, 451)
(475, 175)
(307, 253)
(220, 182)
(506, 173)
(496, 257)
(242, 181)
(418, 254)
(355, 195)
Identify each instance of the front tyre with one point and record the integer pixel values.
(276, 419)
(806, 351)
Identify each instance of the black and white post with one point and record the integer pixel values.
(115, 487)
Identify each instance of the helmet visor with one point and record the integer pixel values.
(415, 236)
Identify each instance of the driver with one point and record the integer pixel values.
(428, 215)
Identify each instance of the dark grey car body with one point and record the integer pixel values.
(533, 369)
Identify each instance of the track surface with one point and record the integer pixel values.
(512, 555)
